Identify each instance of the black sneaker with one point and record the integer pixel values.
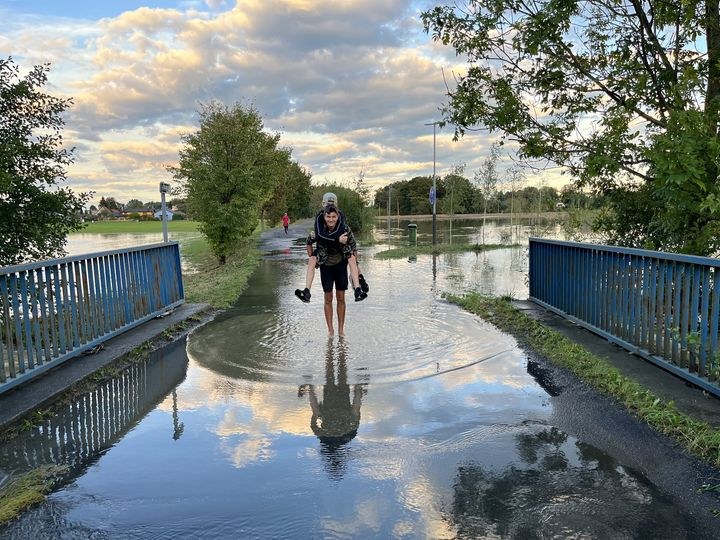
(360, 294)
(363, 284)
(303, 295)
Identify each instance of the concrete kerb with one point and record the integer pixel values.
(20, 402)
(688, 398)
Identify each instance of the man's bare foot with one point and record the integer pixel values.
(331, 334)
(341, 333)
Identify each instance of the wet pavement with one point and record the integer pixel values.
(423, 422)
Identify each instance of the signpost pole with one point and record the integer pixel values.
(164, 188)
(433, 193)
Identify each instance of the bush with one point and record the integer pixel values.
(358, 215)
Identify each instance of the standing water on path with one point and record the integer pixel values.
(423, 422)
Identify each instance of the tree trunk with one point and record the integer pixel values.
(712, 97)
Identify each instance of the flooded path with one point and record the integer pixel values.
(423, 422)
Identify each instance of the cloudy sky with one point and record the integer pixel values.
(349, 84)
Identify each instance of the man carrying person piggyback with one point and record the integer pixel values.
(330, 242)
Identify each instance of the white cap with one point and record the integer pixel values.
(329, 198)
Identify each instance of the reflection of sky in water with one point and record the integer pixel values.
(474, 231)
(497, 272)
(455, 436)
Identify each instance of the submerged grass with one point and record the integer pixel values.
(698, 437)
(408, 251)
(27, 490)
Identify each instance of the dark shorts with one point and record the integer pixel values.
(336, 275)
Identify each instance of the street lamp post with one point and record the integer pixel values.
(434, 188)
(388, 212)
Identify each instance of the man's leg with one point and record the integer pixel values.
(355, 275)
(340, 296)
(363, 284)
(310, 273)
(309, 276)
(329, 312)
(354, 272)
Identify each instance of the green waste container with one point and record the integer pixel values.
(412, 233)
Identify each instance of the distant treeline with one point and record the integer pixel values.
(457, 195)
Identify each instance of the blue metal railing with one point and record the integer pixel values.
(664, 307)
(51, 311)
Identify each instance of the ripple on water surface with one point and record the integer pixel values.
(401, 332)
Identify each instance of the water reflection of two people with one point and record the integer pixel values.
(335, 418)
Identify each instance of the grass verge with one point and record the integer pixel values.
(27, 490)
(699, 438)
(218, 285)
(408, 251)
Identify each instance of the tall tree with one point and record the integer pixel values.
(134, 204)
(516, 178)
(625, 94)
(35, 214)
(110, 203)
(228, 170)
(360, 186)
(390, 191)
(458, 190)
(414, 195)
(487, 179)
(291, 195)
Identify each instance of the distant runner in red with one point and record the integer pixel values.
(286, 222)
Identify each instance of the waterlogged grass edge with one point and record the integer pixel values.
(220, 285)
(698, 437)
(27, 490)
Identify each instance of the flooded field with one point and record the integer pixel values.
(423, 422)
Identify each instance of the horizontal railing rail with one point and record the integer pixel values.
(55, 310)
(663, 307)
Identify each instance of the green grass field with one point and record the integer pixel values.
(136, 227)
